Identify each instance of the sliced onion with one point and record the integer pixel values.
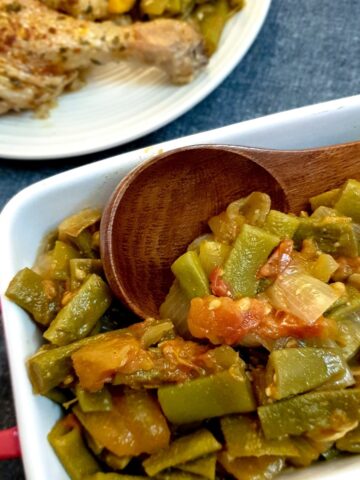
(304, 296)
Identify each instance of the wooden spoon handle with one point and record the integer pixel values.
(304, 173)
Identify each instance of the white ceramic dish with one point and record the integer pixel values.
(123, 102)
(56, 197)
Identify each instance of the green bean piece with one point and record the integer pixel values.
(81, 268)
(153, 377)
(348, 322)
(142, 378)
(79, 316)
(296, 370)
(96, 447)
(60, 258)
(212, 396)
(255, 208)
(153, 7)
(178, 475)
(244, 438)
(211, 19)
(251, 249)
(330, 454)
(58, 395)
(176, 307)
(225, 227)
(237, 4)
(158, 331)
(115, 462)
(34, 294)
(323, 267)
(252, 468)
(307, 452)
(97, 329)
(326, 199)
(348, 202)
(95, 242)
(224, 357)
(113, 476)
(84, 242)
(212, 254)
(324, 212)
(314, 342)
(190, 274)
(341, 301)
(49, 368)
(182, 450)
(99, 401)
(72, 226)
(350, 442)
(354, 281)
(66, 439)
(310, 411)
(195, 244)
(281, 224)
(334, 235)
(175, 7)
(349, 309)
(350, 337)
(343, 380)
(204, 466)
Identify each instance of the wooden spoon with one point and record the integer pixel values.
(162, 205)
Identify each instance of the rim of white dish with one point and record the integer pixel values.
(25, 138)
(112, 168)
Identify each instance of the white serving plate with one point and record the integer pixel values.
(40, 207)
(123, 102)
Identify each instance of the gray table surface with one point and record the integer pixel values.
(307, 52)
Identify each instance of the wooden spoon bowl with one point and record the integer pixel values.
(162, 205)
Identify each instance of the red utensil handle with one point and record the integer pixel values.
(9, 444)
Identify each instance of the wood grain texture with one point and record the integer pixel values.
(162, 205)
(304, 173)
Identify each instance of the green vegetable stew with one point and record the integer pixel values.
(252, 366)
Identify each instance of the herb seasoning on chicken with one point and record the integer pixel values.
(39, 60)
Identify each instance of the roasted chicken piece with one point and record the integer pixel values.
(42, 51)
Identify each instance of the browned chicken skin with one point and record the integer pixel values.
(43, 51)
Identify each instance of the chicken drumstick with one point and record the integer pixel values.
(43, 51)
